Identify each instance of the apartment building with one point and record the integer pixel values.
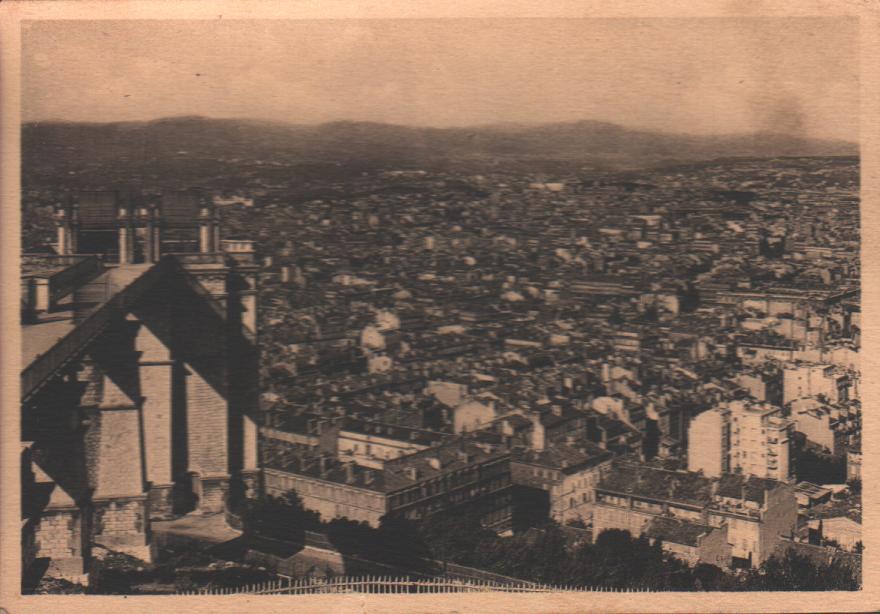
(751, 514)
(743, 437)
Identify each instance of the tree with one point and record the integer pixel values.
(819, 468)
(282, 518)
(453, 537)
(798, 572)
(399, 543)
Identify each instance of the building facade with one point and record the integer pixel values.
(741, 436)
(752, 513)
(455, 475)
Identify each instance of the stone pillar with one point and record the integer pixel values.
(156, 376)
(149, 243)
(204, 238)
(56, 531)
(42, 298)
(119, 501)
(206, 234)
(250, 471)
(58, 536)
(213, 491)
(249, 315)
(124, 244)
(208, 436)
(63, 245)
(215, 231)
(157, 240)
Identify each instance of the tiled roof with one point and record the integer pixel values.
(639, 480)
(563, 457)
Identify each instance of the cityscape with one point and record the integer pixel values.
(285, 358)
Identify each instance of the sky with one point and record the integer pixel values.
(697, 76)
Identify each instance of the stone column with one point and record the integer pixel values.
(156, 238)
(208, 437)
(149, 243)
(250, 471)
(56, 532)
(155, 368)
(215, 230)
(120, 511)
(63, 245)
(124, 241)
(204, 238)
(206, 235)
(58, 536)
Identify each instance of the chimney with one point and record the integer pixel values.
(349, 473)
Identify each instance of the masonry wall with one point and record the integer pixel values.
(744, 537)
(779, 519)
(328, 499)
(208, 421)
(120, 524)
(58, 535)
(119, 469)
(614, 517)
(714, 548)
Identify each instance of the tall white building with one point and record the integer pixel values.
(741, 437)
(709, 442)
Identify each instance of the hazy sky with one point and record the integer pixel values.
(696, 75)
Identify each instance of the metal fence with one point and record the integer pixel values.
(395, 586)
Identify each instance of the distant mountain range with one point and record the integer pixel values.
(587, 142)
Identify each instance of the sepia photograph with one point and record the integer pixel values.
(502, 307)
